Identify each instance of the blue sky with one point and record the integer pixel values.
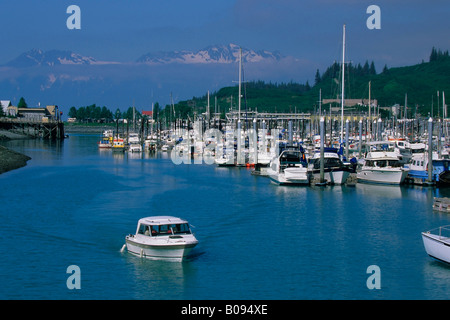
(121, 30)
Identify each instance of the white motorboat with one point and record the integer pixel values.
(382, 166)
(161, 237)
(437, 243)
(225, 160)
(134, 144)
(335, 172)
(289, 168)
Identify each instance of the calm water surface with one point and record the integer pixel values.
(73, 205)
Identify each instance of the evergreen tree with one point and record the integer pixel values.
(317, 78)
(372, 69)
(366, 68)
(437, 55)
(22, 103)
(307, 86)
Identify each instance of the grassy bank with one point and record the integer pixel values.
(88, 127)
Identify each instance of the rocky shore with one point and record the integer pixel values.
(9, 159)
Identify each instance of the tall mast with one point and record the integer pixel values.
(370, 118)
(342, 93)
(240, 77)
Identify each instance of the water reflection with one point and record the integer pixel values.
(159, 279)
(436, 279)
(382, 191)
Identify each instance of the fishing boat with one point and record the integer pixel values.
(437, 243)
(382, 166)
(106, 141)
(289, 168)
(118, 144)
(418, 168)
(335, 172)
(161, 237)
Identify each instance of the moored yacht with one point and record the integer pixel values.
(161, 237)
(134, 144)
(418, 168)
(289, 168)
(382, 166)
(335, 172)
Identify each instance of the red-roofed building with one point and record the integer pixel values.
(147, 113)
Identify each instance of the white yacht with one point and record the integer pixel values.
(161, 237)
(382, 166)
(335, 172)
(289, 168)
(134, 144)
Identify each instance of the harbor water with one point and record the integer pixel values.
(73, 205)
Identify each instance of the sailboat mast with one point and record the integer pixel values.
(342, 93)
(369, 131)
(240, 77)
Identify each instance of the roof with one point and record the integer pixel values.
(158, 220)
(4, 104)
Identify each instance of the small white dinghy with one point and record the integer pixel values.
(161, 237)
(437, 243)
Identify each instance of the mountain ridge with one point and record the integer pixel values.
(210, 54)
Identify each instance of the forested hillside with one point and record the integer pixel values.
(419, 82)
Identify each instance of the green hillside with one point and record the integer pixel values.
(420, 82)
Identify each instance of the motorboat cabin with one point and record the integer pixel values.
(161, 237)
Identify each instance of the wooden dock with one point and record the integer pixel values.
(46, 129)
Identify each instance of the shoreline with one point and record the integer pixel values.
(10, 159)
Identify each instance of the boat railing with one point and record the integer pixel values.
(443, 232)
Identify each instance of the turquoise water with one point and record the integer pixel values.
(73, 205)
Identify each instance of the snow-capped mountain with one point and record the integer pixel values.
(37, 57)
(69, 79)
(211, 54)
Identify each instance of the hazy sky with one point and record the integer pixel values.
(121, 30)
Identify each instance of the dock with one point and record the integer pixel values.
(44, 128)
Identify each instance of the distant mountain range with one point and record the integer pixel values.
(211, 54)
(37, 57)
(66, 78)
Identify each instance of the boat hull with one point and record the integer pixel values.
(333, 176)
(436, 246)
(289, 178)
(382, 176)
(162, 249)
